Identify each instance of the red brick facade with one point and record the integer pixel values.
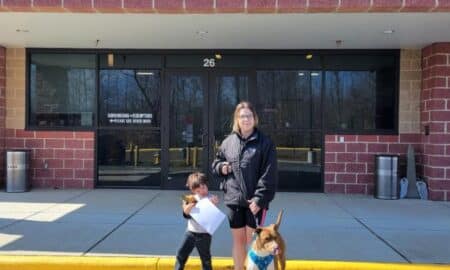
(2, 109)
(435, 114)
(59, 159)
(236, 6)
(349, 165)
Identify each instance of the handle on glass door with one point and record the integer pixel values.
(204, 139)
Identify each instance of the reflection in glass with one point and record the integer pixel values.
(130, 98)
(129, 157)
(299, 159)
(289, 106)
(354, 100)
(62, 90)
(230, 91)
(186, 127)
(289, 99)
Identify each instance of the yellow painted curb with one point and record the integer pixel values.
(76, 263)
(156, 263)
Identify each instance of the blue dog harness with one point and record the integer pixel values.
(261, 262)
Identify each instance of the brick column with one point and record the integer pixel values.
(435, 115)
(2, 110)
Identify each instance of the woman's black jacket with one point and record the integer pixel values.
(254, 165)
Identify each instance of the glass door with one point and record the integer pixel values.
(227, 89)
(187, 126)
(129, 136)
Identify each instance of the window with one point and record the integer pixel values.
(130, 98)
(62, 90)
(359, 100)
(360, 92)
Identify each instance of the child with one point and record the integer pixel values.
(195, 235)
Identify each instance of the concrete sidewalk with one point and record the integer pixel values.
(113, 222)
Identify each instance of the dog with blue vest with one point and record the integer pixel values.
(268, 250)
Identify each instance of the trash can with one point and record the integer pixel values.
(17, 170)
(386, 177)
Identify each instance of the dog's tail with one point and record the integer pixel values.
(277, 224)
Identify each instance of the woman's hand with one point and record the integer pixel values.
(226, 168)
(187, 207)
(214, 199)
(254, 208)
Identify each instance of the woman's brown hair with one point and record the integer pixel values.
(239, 107)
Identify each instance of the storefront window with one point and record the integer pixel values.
(359, 100)
(62, 90)
(130, 98)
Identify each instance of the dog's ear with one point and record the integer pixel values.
(258, 230)
(277, 224)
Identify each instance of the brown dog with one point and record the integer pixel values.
(268, 251)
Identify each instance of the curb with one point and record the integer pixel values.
(167, 263)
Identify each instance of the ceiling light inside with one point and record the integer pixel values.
(144, 73)
(110, 59)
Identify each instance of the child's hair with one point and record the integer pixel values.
(195, 180)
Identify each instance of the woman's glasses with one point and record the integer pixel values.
(245, 116)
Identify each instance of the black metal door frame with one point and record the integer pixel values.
(165, 120)
(210, 94)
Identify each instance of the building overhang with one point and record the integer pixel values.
(224, 30)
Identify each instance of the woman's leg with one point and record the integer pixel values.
(249, 232)
(239, 247)
(242, 238)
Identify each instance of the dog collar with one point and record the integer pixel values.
(261, 262)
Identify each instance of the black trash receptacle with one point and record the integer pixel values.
(17, 170)
(386, 177)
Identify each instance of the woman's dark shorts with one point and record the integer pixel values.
(239, 217)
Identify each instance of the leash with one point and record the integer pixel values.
(261, 221)
(263, 217)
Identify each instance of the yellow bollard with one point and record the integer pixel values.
(187, 155)
(194, 157)
(136, 149)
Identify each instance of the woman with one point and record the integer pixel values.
(247, 162)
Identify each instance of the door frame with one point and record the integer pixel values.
(210, 94)
(165, 120)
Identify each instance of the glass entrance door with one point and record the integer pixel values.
(128, 137)
(187, 126)
(227, 88)
(199, 117)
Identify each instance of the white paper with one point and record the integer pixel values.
(207, 215)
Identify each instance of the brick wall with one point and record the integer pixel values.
(2, 110)
(349, 165)
(59, 159)
(435, 113)
(215, 6)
